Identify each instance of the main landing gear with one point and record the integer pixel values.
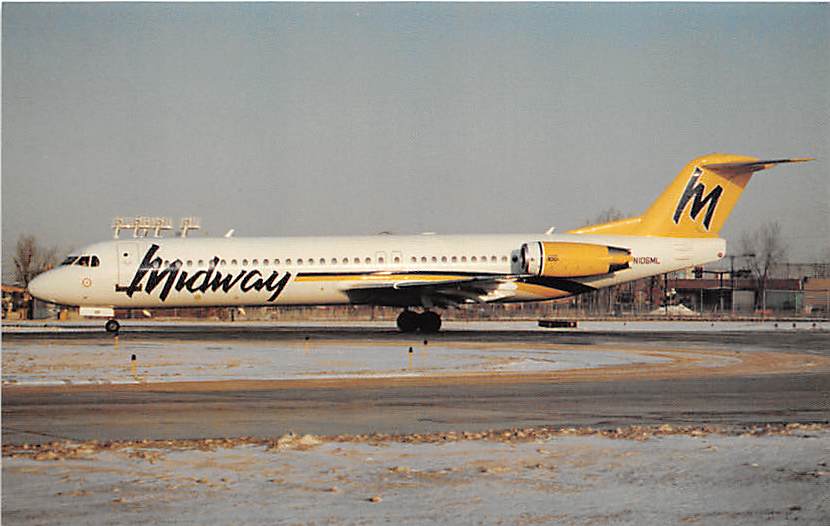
(112, 326)
(426, 322)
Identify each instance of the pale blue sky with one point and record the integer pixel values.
(304, 119)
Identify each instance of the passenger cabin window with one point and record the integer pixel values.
(69, 260)
(473, 259)
(244, 262)
(234, 262)
(322, 261)
(397, 259)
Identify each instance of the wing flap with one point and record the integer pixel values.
(444, 293)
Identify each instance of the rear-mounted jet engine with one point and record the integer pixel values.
(572, 260)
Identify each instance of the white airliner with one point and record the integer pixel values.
(679, 230)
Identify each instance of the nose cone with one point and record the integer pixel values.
(43, 287)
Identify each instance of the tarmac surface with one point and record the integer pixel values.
(743, 378)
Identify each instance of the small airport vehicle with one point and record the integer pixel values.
(679, 230)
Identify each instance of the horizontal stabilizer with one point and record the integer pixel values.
(753, 166)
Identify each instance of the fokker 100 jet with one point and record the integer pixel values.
(679, 230)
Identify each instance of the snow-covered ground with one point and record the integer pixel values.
(60, 361)
(677, 479)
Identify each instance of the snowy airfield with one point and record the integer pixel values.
(58, 362)
(688, 470)
(696, 477)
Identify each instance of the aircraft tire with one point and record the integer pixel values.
(112, 326)
(429, 322)
(408, 321)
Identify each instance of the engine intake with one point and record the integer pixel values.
(572, 260)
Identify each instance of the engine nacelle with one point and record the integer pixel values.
(572, 260)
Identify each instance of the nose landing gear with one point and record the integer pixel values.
(112, 326)
(426, 322)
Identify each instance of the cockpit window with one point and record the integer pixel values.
(69, 260)
(83, 261)
(94, 261)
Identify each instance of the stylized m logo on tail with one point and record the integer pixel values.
(695, 190)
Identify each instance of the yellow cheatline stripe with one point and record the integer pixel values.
(381, 277)
(541, 291)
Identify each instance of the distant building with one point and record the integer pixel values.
(15, 302)
(817, 296)
(19, 305)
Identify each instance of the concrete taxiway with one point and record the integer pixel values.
(192, 380)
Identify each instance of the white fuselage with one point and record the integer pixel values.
(194, 272)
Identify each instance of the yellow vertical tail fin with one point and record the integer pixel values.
(697, 202)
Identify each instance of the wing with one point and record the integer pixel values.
(449, 292)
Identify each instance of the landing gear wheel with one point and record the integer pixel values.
(112, 326)
(429, 322)
(408, 321)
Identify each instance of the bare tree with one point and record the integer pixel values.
(30, 259)
(603, 300)
(767, 249)
(606, 216)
